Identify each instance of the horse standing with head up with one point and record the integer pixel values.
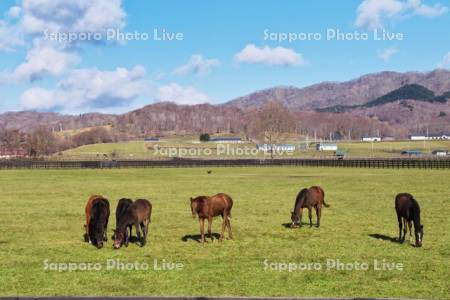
(97, 216)
(137, 214)
(208, 207)
(308, 198)
(408, 212)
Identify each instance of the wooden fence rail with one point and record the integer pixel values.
(179, 163)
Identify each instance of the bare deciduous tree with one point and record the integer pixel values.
(272, 123)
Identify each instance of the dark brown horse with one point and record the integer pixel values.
(98, 222)
(121, 208)
(137, 214)
(408, 211)
(308, 198)
(208, 207)
(87, 211)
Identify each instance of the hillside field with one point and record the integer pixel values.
(43, 215)
(184, 147)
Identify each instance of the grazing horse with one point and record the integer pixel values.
(137, 214)
(308, 198)
(209, 207)
(87, 212)
(98, 222)
(121, 208)
(408, 209)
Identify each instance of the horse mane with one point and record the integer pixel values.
(201, 202)
(415, 210)
(300, 197)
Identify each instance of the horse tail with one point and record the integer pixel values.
(323, 197)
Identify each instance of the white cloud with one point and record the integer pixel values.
(197, 65)
(87, 89)
(445, 62)
(10, 36)
(373, 13)
(269, 56)
(41, 60)
(72, 15)
(388, 53)
(418, 8)
(181, 95)
(32, 18)
(14, 12)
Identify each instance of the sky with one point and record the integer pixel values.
(112, 56)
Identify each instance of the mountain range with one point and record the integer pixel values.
(403, 103)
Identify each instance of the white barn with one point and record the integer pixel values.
(326, 147)
(371, 138)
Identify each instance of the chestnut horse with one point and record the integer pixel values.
(137, 214)
(87, 211)
(408, 209)
(308, 198)
(208, 207)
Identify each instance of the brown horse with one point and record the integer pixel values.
(87, 212)
(138, 214)
(308, 198)
(408, 209)
(209, 207)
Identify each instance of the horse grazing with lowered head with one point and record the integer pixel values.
(97, 216)
(121, 208)
(208, 207)
(137, 214)
(408, 212)
(308, 198)
(87, 211)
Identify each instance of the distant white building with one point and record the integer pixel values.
(422, 137)
(371, 138)
(440, 152)
(275, 147)
(326, 147)
(226, 140)
(418, 137)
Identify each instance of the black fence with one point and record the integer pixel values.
(187, 163)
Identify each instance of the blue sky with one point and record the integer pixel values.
(223, 53)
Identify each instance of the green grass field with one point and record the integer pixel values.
(42, 218)
(142, 150)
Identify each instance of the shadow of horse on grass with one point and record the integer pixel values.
(384, 238)
(198, 237)
(289, 225)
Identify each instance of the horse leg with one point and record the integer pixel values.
(138, 232)
(202, 229)
(144, 240)
(127, 238)
(399, 228)
(310, 216)
(300, 217)
(105, 232)
(404, 228)
(225, 217)
(230, 234)
(127, 235)
(318, 214)
(209, 228)
(409, 227)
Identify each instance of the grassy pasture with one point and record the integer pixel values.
(42, 218)
(142, 150)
